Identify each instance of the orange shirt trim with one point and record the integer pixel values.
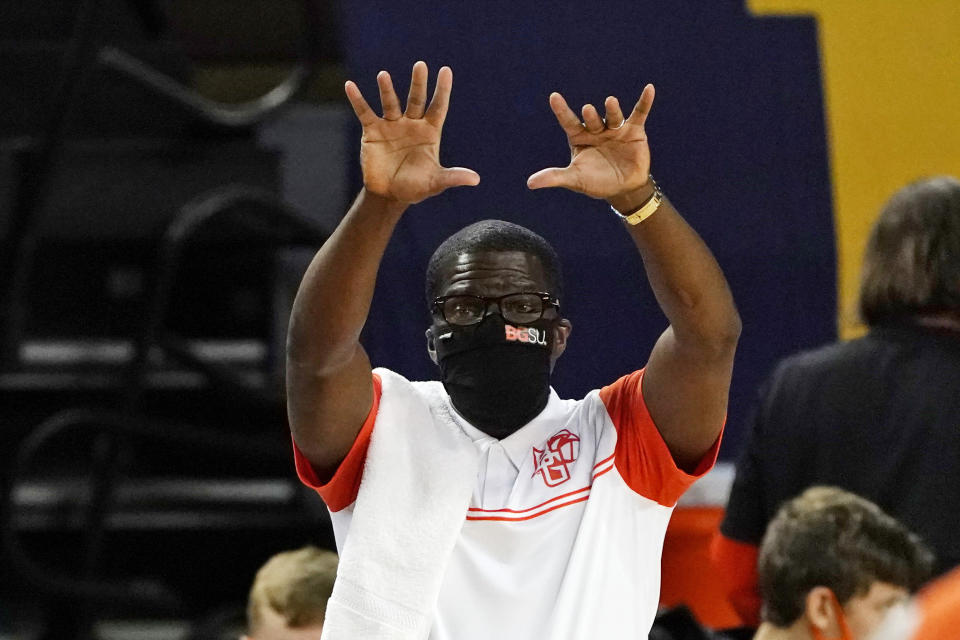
(341, 491)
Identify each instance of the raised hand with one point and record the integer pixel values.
(400, 151)
(608, 157)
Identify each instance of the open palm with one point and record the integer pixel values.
(607, 157)
(400, 151)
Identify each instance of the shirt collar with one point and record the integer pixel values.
(519, 444)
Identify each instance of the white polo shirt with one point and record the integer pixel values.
(565, 529)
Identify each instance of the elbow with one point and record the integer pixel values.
(726, 336)
(732, 328)
(300, 353)
(724, 330)
(319, 352)
(298, 337)
(319, 362)
(709, 321)
(299, 347)
(722, 323)
(714, 338)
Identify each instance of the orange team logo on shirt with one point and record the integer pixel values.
(551, 462)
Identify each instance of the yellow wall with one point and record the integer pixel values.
(891, 79)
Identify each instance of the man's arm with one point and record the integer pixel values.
(329, 382)
(687, 378)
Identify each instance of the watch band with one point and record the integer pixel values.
(645, 210)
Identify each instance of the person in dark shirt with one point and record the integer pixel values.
(878, 416)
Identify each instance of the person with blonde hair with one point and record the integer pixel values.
(288, 599)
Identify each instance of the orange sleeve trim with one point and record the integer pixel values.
(642, 457)
(735, 567)
(341, 491)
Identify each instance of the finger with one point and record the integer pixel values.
(642, 108)
(437, 111)
(417, 98)
(568, 120)
(553, 177)
(614, 114)
(456, 177)
(360, 107)
(388, 97)
(592, 119)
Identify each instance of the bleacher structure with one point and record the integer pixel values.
(149, 260)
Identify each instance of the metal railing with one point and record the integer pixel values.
(106, 426)
(82, 53)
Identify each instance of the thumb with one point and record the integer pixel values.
(456, 177)
(552, 177)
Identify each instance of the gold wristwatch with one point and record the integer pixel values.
(645, 210)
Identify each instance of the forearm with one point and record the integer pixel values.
(334, 297)
(685, 277)
(686, 379)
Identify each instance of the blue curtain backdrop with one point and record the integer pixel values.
(738, 142)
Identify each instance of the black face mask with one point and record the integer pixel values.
(497, 374)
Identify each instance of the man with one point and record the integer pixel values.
(832, 565)
(562, 534)
(289, 595)
(876, 415)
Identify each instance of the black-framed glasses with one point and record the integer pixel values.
(520, 308)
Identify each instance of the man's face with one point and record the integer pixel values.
(497, 273)
(864, 613)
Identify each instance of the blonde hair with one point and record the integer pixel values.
(294, 584)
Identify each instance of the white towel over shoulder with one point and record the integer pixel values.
(417, 481)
